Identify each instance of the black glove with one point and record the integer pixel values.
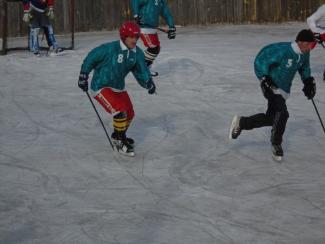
(171, 33)
(83, 81)
(138, 20)
(267, 85)
(151, 87)
(309, 87)
(318, 37)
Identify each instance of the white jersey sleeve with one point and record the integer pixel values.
(316, 22)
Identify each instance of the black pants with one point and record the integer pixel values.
(275, 116)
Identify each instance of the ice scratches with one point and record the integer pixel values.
(96, 233)
(122, 162)
(39, 125)
(202, 222)
(75, 237)
(28, 76)
(318, 101)
(257, 229)
(93, 226)
(18, 70)
(14, 163)
(202, 219)
(242, 153)
(2, 94)
(190, 70)
(305, 215)
(284, 186)
(30, 142)
(49, 183)
(145, 154)
(271, 188)
(314, 205)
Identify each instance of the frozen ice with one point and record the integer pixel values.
(60, 182)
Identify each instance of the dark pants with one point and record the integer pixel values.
(39, 20)
(275, 116)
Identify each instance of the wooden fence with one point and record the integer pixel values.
(93, 15)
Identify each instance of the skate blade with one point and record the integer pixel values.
(154, 74)
(116, 149)
(277, 158)
(233, 122)
(130, 154)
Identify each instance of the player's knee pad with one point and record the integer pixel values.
(120, 123)
(154, 50)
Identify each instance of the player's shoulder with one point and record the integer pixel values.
(280, 46)
(109, 45)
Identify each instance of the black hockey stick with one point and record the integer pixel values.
(320, 119)
(323, 45)
(92, 103)
(165, 30)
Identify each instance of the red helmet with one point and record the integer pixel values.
(129, 29)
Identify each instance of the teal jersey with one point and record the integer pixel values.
(150, 11)
(281, 61)
(112, 62)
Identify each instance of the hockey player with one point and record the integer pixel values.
(316, 23)
(147, 13)
(111, 63)
(275, 67)
(38, 14)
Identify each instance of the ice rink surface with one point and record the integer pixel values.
(60, 182)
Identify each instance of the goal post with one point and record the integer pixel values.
(11, 17)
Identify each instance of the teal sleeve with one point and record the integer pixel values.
(305, 71)
(93, 58)
(267, 59)
(141, 71)
(167, 15)
(135, 7)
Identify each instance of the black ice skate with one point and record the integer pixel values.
(130, 141)
(121, 144)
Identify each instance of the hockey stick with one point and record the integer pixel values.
(92, 103)
(165, 30)
(320, 119)
(323, 45)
